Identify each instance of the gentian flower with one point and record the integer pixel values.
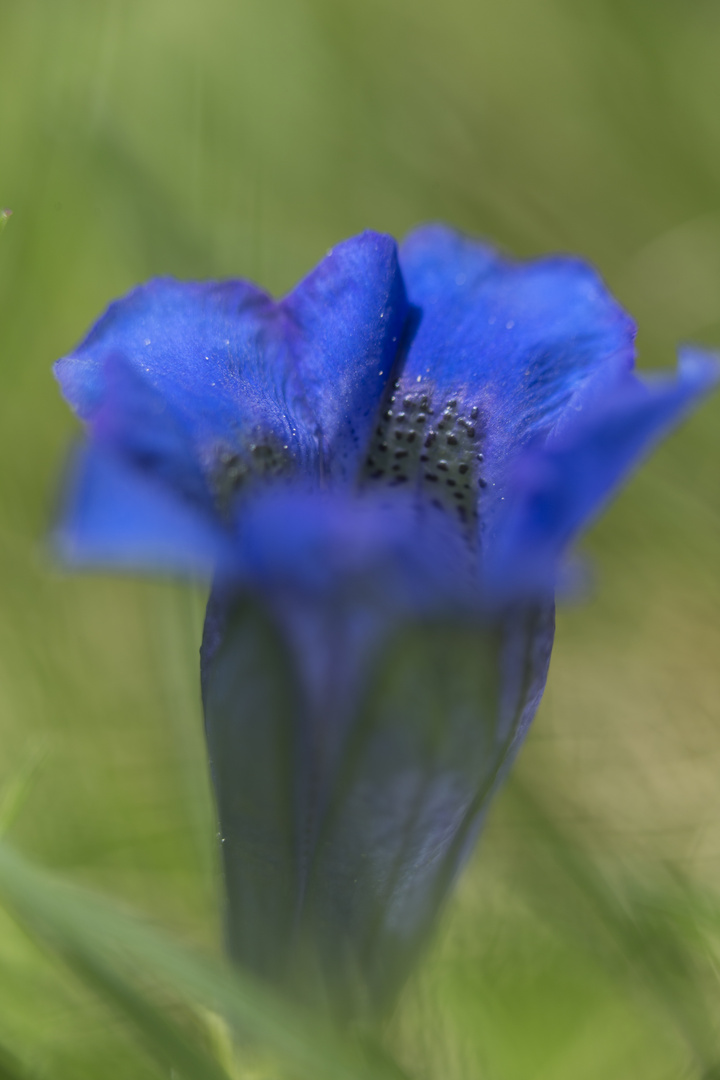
(381, 473)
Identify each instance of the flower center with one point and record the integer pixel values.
(435, 448)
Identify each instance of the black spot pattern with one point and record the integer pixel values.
(232, 470)
(436, 449)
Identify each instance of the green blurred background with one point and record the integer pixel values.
(245, 137)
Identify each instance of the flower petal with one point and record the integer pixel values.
(138, 425)
(507, 344)
(559, 485)
(349, 314)
(330, 545)
(215, 352)
(270, 382)
(117, 517)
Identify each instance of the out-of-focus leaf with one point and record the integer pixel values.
(637, 929)
(163, 1036)
(17, 789)
(107, 945)
(11, 1068)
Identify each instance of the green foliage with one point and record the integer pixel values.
(245, 137)
(111, 951)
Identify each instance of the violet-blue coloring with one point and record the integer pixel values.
(381, 474)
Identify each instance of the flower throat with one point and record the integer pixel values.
(436, 449)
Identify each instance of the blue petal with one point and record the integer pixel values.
(349, 315)
(513, 341)
(115, 517)
(302, 375)
(138, 425)
(214, 352)
(326, 545)
(559, 485)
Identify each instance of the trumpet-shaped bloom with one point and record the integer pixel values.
(381, 473)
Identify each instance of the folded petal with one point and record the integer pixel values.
(348, 315)
(557, 486)
(116, 517)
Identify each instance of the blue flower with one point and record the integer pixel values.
(382, 473)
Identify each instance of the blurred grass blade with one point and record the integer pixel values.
(648, 943)
(109, 946)
(163, 1036)
(17, 789)
(11, 1068)
(220, 1039)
